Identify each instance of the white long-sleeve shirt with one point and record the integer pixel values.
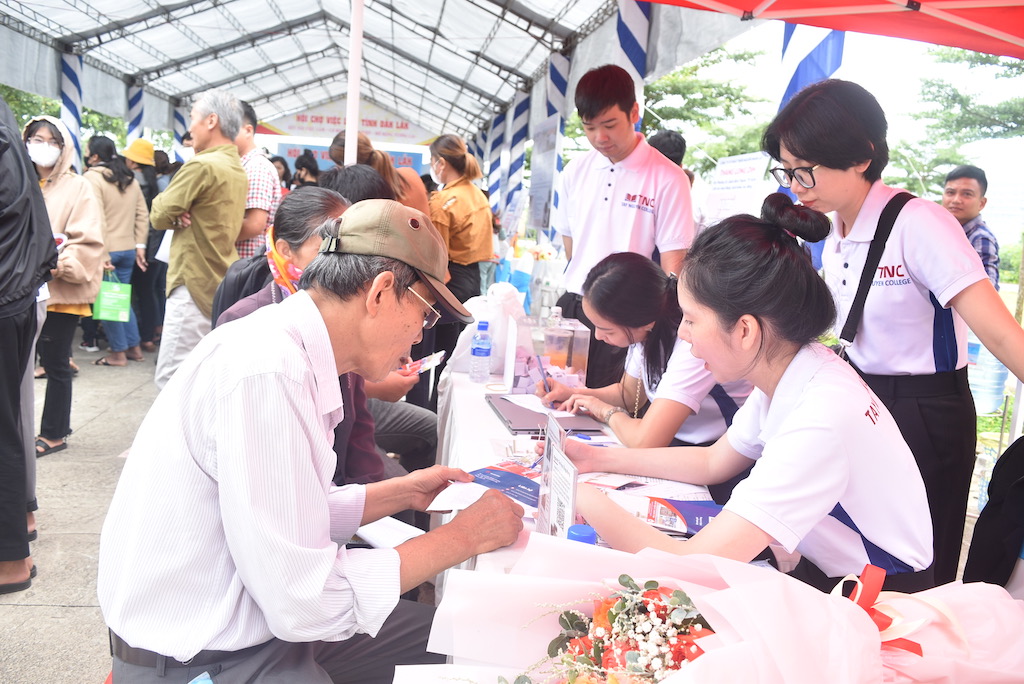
(225, 527)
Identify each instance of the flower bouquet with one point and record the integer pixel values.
(637, 634)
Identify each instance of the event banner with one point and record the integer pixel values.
(327, 120)
(292, 151)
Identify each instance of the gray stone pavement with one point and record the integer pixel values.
(54, 632)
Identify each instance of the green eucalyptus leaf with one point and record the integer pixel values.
(523, 679)
(557, 645)
(628, 582)
(650, 584)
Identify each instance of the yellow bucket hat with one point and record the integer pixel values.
(139, 151)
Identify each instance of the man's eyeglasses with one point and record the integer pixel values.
(51, 143)
(430, 319)
(804, 175)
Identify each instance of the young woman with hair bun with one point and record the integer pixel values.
(632, 303)
(832, 477)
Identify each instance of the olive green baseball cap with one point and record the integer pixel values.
(379, 227)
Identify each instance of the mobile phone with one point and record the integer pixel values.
(424, 364)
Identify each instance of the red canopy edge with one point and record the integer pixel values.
(992, 26)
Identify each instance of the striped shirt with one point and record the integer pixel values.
(986, 245)
(224, 530)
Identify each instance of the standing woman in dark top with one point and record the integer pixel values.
(460, 212)
(307, 171)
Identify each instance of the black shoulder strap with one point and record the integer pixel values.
(885, 224)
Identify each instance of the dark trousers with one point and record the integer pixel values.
(906, 582)
(605, 363)
(16, 334)
(149, 290)
(465, 283)
(54, 354)
(362, 659)
(936, 415)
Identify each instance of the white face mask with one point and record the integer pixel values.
(437, 181)
(43, 155)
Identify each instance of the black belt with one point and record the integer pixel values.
(938, 384)
(120, 649)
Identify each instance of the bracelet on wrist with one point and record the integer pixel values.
(612, 410)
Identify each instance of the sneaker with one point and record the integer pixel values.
(88, 346)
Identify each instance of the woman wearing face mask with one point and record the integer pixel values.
(911, 342)
(832, 477)
(632, 303)
(76, 218)
(125, 230)
(307, 171)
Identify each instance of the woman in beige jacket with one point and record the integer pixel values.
(125, 230)
(76, 219)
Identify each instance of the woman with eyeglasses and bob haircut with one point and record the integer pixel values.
(832, 477)
(911, 343)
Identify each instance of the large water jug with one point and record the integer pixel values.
(987, 380)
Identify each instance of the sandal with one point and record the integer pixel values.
(44, 449)
(102, 361)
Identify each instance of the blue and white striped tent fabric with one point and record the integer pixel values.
(134, 112)
(71, 102)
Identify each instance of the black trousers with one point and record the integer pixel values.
(149, 292)
(54, 354)
(936, 415)
(465, 283)
(16, 335)
(605, 363)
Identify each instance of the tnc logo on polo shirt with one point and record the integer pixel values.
(891, 275)
(639, 202)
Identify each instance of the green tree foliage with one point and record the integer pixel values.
(702, 159)
(1009, 263)
(690, 99)
(958, 115)
(699, 107)
(27, 105)
(921, 167)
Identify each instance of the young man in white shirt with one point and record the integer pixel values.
(224, 548)
(623, 196)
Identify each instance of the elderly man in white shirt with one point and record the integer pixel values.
(222, 555)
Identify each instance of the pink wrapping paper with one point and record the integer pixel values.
(769, 628)
(508, 620)
(984, 644)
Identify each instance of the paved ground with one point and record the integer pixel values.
(54, 632)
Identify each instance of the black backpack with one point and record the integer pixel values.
(244, 277)
(999, 531)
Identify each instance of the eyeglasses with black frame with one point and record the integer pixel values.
(430, 319)
(804, 175)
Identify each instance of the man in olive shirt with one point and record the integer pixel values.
(204, 205)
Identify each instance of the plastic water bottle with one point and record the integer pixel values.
(983, 467)
(480, 350)
(987, 380)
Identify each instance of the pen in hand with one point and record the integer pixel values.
(544, 375)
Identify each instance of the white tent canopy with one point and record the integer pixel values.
(445, 65)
